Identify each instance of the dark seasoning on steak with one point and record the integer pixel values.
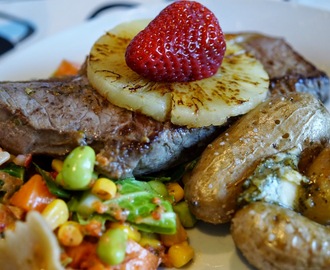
(52, 117)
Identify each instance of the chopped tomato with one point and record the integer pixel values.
(66, 68)
(33, 195)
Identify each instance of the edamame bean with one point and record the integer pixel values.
(187, 219)
(78, 167)
(111, 247)
(159, 187)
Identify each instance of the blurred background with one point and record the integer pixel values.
(23, 22)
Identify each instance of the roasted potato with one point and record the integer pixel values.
(280, 123)
(272, 237)
(316, 204)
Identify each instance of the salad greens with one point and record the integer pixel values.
(52, 186)
(136, 202)
(144, 204)
(14, 170)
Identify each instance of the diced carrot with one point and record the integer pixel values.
(66, 68)
(33, 195)
(83, 256)
(172, 239)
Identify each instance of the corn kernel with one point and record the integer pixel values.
(57, 165)
(132, 233)
(175, 190)
(180, 254)
(69, 234)
(56, 213)
(104, 188)
(150, 240)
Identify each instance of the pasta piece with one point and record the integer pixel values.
(31, 246)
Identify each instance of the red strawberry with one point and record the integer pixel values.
(183, 43)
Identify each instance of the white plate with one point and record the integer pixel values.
(305, 28)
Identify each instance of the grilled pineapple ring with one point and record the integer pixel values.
(240, 84)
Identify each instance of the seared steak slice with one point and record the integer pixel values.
(288, 70)
(54, 116)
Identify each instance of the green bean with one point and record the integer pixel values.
(78, 167)
(111, 247)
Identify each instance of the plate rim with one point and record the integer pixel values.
(16, 54)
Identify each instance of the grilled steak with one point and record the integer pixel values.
(54, 116)
(288, 70)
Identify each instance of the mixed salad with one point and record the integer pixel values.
(98, 223)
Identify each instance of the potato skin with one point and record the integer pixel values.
(272, 237)
(278, 124)
(317, 202)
